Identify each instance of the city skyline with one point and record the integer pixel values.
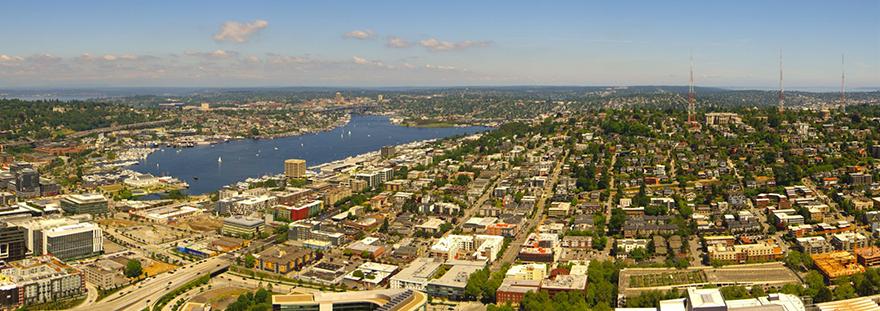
(424, 44)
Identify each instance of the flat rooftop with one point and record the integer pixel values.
(633, 281)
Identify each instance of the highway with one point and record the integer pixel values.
(145, 293)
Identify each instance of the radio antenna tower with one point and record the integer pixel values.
(842, 85)
(781, 86)
(692, 99)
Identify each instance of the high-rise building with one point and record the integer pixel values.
(73, 241)
(27, 183)
(295, 168)
(387, 151)
(12, 243)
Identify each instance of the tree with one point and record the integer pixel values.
(824, 294)
(757, 291)
(358, 274)
(262, 296)
(641, 198)
(133, 268)
(734, 292)
(638, 254)
(249, 261)
(844, 291)
(384, 227)
(462, 180)
(504, 307)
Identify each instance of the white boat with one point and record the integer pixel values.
(349, 133)
(301, 144)
(276, 148)
(219, 160)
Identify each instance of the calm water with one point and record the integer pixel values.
(254, 158)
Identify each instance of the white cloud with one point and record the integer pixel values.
(6, 58)
(397, 42)
(439, 67)
(435, 45)
(279, 59)
(239, 32)
(360, 60)
(216, 54)
(363, 61)
(360, 34)
(217, 68)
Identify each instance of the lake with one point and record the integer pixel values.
(253, 158)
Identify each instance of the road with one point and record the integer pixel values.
(611, 186)
(487, 193)
(609, 203)
(513, 249)
(145, 293)
(91, 294)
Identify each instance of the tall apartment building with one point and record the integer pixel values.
(295, 168)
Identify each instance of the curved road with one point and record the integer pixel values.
(145, 293)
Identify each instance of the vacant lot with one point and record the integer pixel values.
(158, 267)
(221, 297)
(204, 223)
(115, 222)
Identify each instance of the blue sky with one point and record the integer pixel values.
(415, 43)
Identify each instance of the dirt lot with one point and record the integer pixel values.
(219, 298)
(110, 247)
(202, 223)
(153, 234)
(158, 267)
(115, 222)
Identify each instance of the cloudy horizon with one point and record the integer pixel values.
(449, 44)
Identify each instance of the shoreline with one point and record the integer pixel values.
(313, 168)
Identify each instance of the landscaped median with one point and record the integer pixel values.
(165, 299)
